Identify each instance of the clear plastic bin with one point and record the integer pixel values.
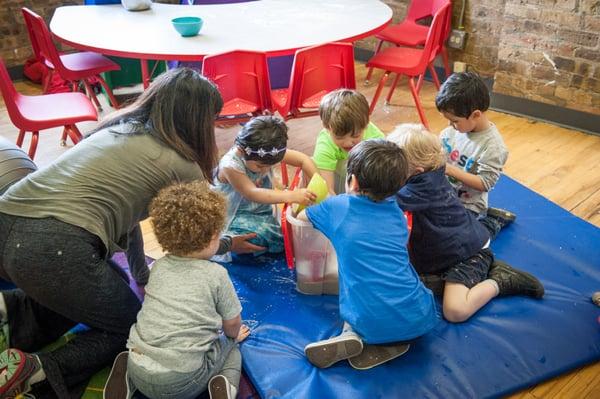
(314, 258)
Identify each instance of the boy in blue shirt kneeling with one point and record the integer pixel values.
(382, 301)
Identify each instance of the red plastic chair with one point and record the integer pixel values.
(243, 81)
(35, 113)
(411, 62)
(409, 33)
(316, 71)
(74, 67)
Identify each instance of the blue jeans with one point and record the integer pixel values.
(222, 358)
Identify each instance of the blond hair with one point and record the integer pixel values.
(186, 217)
(423, 148)
(344, 112)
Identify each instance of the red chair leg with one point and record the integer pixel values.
(415, 95)
(109, 93)
(370, 71)
(434, 76)
(47, 80)
(20, 138)
(388, 99)
(74, 133)
(63, 138)
(287, 239)
(378, 91)
(33, 144)
(91, 94)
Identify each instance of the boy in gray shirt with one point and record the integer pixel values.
(475, 151)
(175, 347)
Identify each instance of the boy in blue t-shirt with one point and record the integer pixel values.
(382, 300)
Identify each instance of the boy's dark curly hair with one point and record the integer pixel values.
(462, 93)
(380, 167)
(185, 217)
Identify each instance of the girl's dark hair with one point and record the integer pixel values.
(179, 110)
(462, 93)
(380, 167)
(266, 133)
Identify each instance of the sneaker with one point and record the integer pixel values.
(374, 355)
(512, 281)
(220, 388)
(327, 352)
(16, 368)
(117, 384)
(502, 215)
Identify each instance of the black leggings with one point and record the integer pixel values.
(63, 279)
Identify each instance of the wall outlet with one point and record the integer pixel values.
(457, 39)
(460, 67)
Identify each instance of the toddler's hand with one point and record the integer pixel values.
(243, 334)
(303, 196)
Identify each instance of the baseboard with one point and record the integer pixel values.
(565, 117)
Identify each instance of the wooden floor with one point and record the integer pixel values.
(562, 165)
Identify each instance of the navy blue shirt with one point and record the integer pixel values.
(381, 295)
(443, 233)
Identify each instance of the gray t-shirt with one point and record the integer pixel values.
(186, 301)
(104, 184)
(483, 153)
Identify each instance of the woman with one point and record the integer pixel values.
(60, 226)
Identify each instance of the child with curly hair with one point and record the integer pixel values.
(245, 176)
(175, 347)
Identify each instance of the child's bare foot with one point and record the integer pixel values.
(243, 334)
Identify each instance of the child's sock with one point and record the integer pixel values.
(494, 283)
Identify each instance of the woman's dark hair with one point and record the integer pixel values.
(178, 109)
(462, 93)
(263, 139)
(380, 167)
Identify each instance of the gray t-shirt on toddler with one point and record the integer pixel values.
(186, 301)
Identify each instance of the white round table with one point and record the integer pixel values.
(277, 27)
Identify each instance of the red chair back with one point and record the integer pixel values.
(42, 44)
(317, 71)
(434, 38)
(11, 97)
(419, 9)
(243, 81)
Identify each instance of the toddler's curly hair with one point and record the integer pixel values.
(185, 217)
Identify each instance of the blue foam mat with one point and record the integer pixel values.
(510, 344)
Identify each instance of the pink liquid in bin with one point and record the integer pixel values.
(314, 258)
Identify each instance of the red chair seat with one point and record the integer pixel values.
(279, 97)
(406, 33)
(238, 106)
(82, 65)
(52, 110)
(403, 60)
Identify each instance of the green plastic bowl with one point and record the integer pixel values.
(187, 26)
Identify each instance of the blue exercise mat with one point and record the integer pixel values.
(510, 344)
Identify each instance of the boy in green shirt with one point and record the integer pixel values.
(345, 117)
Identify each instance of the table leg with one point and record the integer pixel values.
(145, 74)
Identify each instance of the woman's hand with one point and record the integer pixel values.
(243, 334)
(302, 196)
(240, 244)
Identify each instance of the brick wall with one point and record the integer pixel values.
(542, 50)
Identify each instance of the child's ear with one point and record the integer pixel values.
(475, 114)
(352, 184)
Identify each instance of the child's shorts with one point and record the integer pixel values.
(471, 271)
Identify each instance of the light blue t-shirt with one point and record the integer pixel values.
(381, 296)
